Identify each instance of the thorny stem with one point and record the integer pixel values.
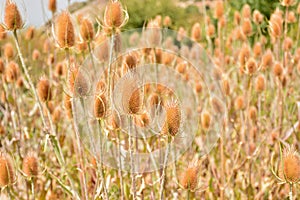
(163, 176)
(32, 187)
(132, 162)
(291, 191)
(100, 165)
(110, 77)
(120, 165)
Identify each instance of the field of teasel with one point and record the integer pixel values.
(92, 110)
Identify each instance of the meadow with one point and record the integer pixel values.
(108, 105)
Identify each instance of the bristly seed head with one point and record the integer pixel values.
(7, 174)
(12, 16)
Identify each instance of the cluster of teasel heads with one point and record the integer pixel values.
(248, 72)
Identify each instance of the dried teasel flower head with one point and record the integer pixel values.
(251, 66)
(8, 51)
(190, 178)
(257, 49)
(290, 166)
(278, 69)
(52, 6)
(7, 172)
(247, 27)
(100, 106)
(205, 120)
(167, 21)
(260, 83)
(172, 119)
(246, 11)
(237, 18)
(44, 89)
(12, 16)
(30, 33)
(267, 60)
(86, 30)
(287, 3)
(257, 17)
(12, 72)
(196, 32)
(219, 9)
(115, 16)
(64, 32)
(276, 26)
(30, 165)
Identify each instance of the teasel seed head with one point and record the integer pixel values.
(291, 165)
(252, 112)
(52, 6)
(251, 66)
(44, 90)
(7, 172)
(100, 106)
(219, 9)
(131, 61)
(257, 49)
(240, 103)
(8, 51)
(2, 130)
(56, 115)
(247, 27)
(246, 11)
(205, 120)
(196, 32)
(211, 30)
(113, 15)
(142, 120)
(30, 165)
(260, 83)
(226, 86)
(257, 17)
(86, 30)
(30, 33)
(291, 17)
(190, 178)
(276, 25)
(11, 72)
(287, 44)
(64, 30)
(167, 21)
(287, 3)
(12, 16)
(278, 69)
(35, 55)
(172, 120)
(237, 18)
(267, 59)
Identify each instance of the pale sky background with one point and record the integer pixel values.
(34, 11)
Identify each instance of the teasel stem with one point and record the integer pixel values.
(11, 196)
(101, 161)
(188, 194)
(120, 165)
(110, 66)
(163, 176)
(91, 55)
(285, 32)
(15, 36)
(32, 187)
(298, 31)
(291, 191)
(132, 160)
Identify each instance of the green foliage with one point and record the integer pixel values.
(141, 12)
(266, 7)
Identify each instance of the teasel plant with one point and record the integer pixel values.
(288, 169)
(7, 174)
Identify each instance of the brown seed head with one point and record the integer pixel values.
(260, 83)
(86, 30)
(291, 17)
(30, 33)
(12, 16)
(52, 6)
(190, 178)
(172, 120)
(252, 112)
(44, 90)
(237, 18)
(287, 3)
(35, 55)
(7, 176)
(276, 28)
(100, 106)
(211, 30)
(113, 16)
(2, 67)
(246, 11)
(196, 32)
(287, 44)
(239, 103)
(257, 17)
(64, 30)
(278, 69)
(247, 27)
(8, 51)
(131, 61)
(205, 120)
(291, 165)
(219, 9)
(267, 59)
(12, 72)
(30, 165)
(251, 66)
(68, 105)
(257, 49)
(56, 115)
